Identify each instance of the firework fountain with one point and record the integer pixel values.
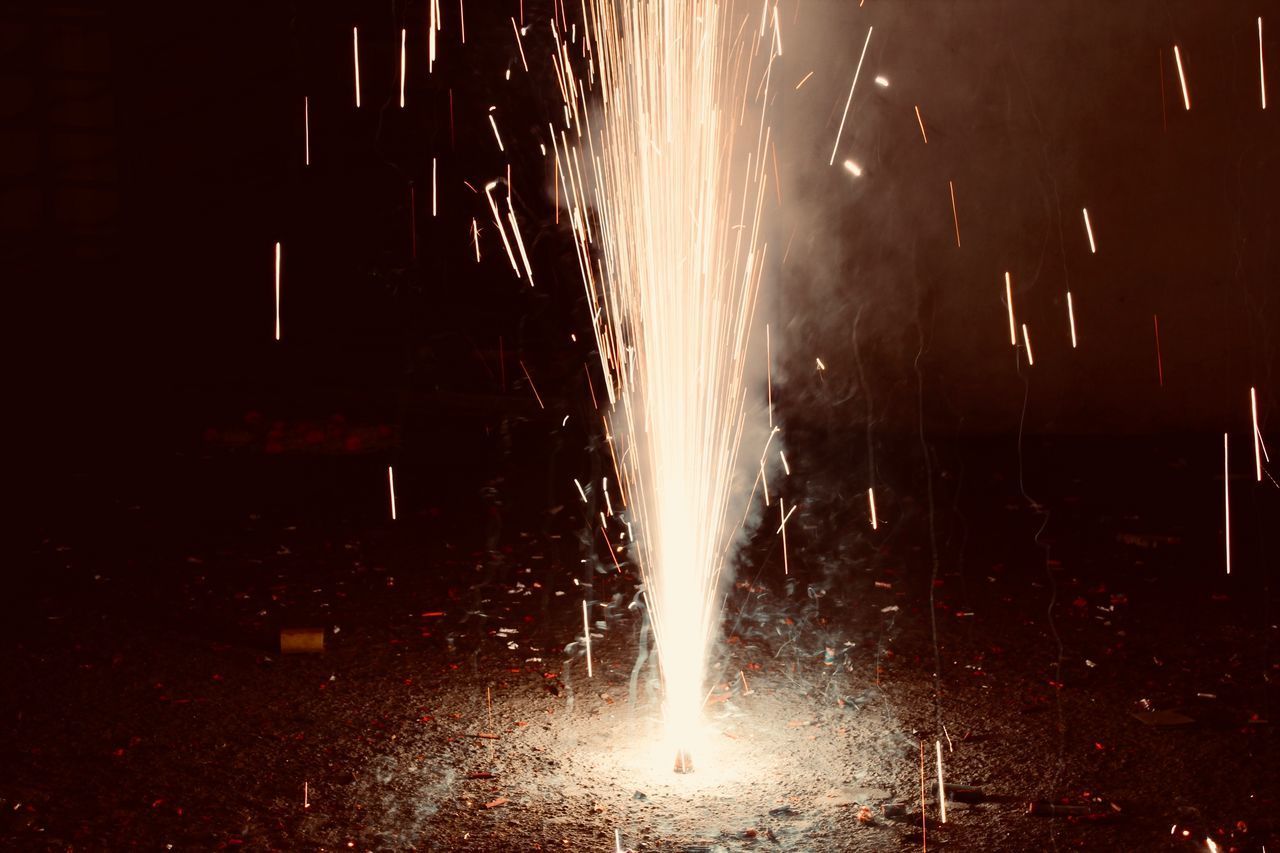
(662, 163)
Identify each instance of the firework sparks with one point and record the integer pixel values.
(920, 121)
(852, 86)
(1182, 77)
(403, 38)
(1071, 318)
(494, 125)
(306, 131)
(1262, 68)
(277, 280)
(586, 635)
(1257, 434)
(942, 791)
(391, 490)
(1008, 300)
(1026, 341)
(355, 58)
(1088, 229)
(871, 505)
(955, 214)
(532, 387)
(663, 183)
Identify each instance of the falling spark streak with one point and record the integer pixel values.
(586, 633)
(1008, 296)
(1088, 228)
(785, 467)
(803, 80)
(520, 44)
(475, 237)
(391, 488)
(1257, 435)
(1226, 498)
(853, 168)
(403, 37)
(306, 795)
(954, 214)
(580, 490)
(871, 503)
(1182, 77)
(845, 115)
(306, 131)
(768, 367)
(532, 387)
(277, 290)
(942, 791)
(782, 506)
(786, 518)
(496, 135)
(924, 823)
(664, 182)
(515, 229)
(1026, 340)
(1071, 316)
(1262, 70)
(433, 26)
(921, 122)
(355, 56)
(502, 232)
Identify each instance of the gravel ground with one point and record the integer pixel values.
(147, 704)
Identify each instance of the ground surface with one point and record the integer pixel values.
(146, 703)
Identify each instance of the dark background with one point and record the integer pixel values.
(154, 156)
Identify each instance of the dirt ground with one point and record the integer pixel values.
(146, 703)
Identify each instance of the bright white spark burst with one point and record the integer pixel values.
(664, 184)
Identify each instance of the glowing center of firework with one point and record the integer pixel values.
(664, 179)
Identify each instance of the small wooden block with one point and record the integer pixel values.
(301, 641)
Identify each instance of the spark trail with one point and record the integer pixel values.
(661, 167)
